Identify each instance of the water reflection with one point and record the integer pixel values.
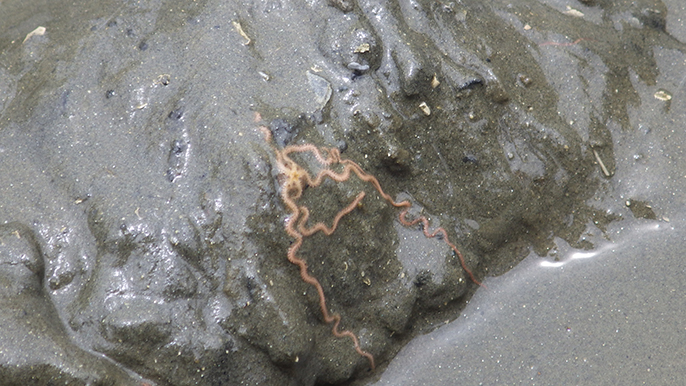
(641, 230)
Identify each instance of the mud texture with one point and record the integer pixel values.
(143, 232)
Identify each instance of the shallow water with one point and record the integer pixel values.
(591, 318)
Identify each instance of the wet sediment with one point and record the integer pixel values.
(148, 205)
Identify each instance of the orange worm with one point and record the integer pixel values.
(297, 179)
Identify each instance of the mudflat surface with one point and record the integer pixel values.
(601, 316)
(147, 223)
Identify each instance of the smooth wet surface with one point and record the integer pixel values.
(614, 314)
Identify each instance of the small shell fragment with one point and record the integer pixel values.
(434, 82)
(264, 76)
(321, 88)
(573, 12)
(40, 31)
(239, 28)
(425, 108)
(663, 95)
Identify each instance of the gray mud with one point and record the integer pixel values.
(142, 223)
